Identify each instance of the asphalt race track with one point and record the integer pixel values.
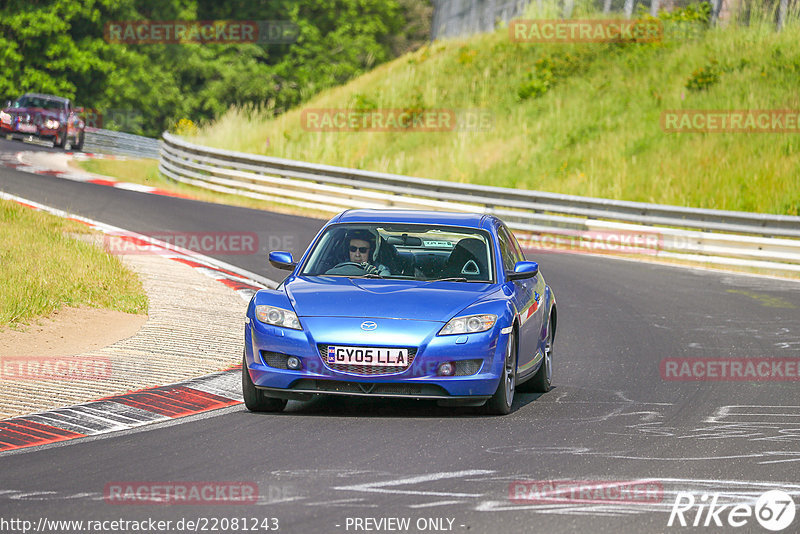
(328, 465)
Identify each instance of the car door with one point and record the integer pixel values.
(536, 321)
(525, 298)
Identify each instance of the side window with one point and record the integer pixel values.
(518, 254)
(506, 249)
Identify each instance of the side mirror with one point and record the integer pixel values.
(523, 270)
(8, 103)
(282, 260)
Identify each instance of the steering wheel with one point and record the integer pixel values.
(348, 268)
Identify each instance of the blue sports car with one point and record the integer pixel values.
(396, 303)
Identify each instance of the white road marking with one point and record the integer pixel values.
(431, 504)
(724, 414)
(27, 496)
(380, 487)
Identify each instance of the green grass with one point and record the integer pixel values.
(579, 119)
(44, 269)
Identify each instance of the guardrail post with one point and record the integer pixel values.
(782, 9)
(628, 9)
(569, 6)
(654, 4)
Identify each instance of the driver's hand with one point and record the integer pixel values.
(369, 268)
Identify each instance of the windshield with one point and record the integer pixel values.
(409, 251)
(39, 102)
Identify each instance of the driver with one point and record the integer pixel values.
(360, 247)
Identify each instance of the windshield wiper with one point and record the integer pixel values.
(368, 275)
(453, 279)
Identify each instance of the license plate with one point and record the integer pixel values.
(27, 128)
(377, 357)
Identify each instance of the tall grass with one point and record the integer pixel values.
(574, 118)
(43, 269)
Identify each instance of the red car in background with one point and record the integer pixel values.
(45, 117)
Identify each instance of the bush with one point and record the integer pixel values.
(704, 77)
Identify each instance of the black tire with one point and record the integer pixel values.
(254, 399)
(542, 380)
(60, 141)
(503, 398)
(79, 144)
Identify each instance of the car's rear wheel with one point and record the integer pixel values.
(254, 399)
(503, 398)
(541, 381)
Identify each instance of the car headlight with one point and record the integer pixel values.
(51, 124)
(278, 317)
(5, 118)
(467, 324)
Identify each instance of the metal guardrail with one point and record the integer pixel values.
(119, 143)
(713, 236)
(453, 18)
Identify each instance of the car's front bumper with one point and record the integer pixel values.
(420, 380)
(38, 132)
(14, 130)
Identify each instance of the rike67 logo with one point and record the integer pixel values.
(774, 510)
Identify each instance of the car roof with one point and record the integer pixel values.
(468, 220)
(48, 97)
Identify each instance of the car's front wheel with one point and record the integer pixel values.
(60, 140)
(503, 398)
(254, 399)
(79, 143)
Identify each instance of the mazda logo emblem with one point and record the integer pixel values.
(369, 325)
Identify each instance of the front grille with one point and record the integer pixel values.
(339, 386)
(275, 359)
(467, 367)
(366, 369)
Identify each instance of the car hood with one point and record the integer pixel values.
(374, 298)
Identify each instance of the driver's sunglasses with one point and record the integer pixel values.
(362, 250)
